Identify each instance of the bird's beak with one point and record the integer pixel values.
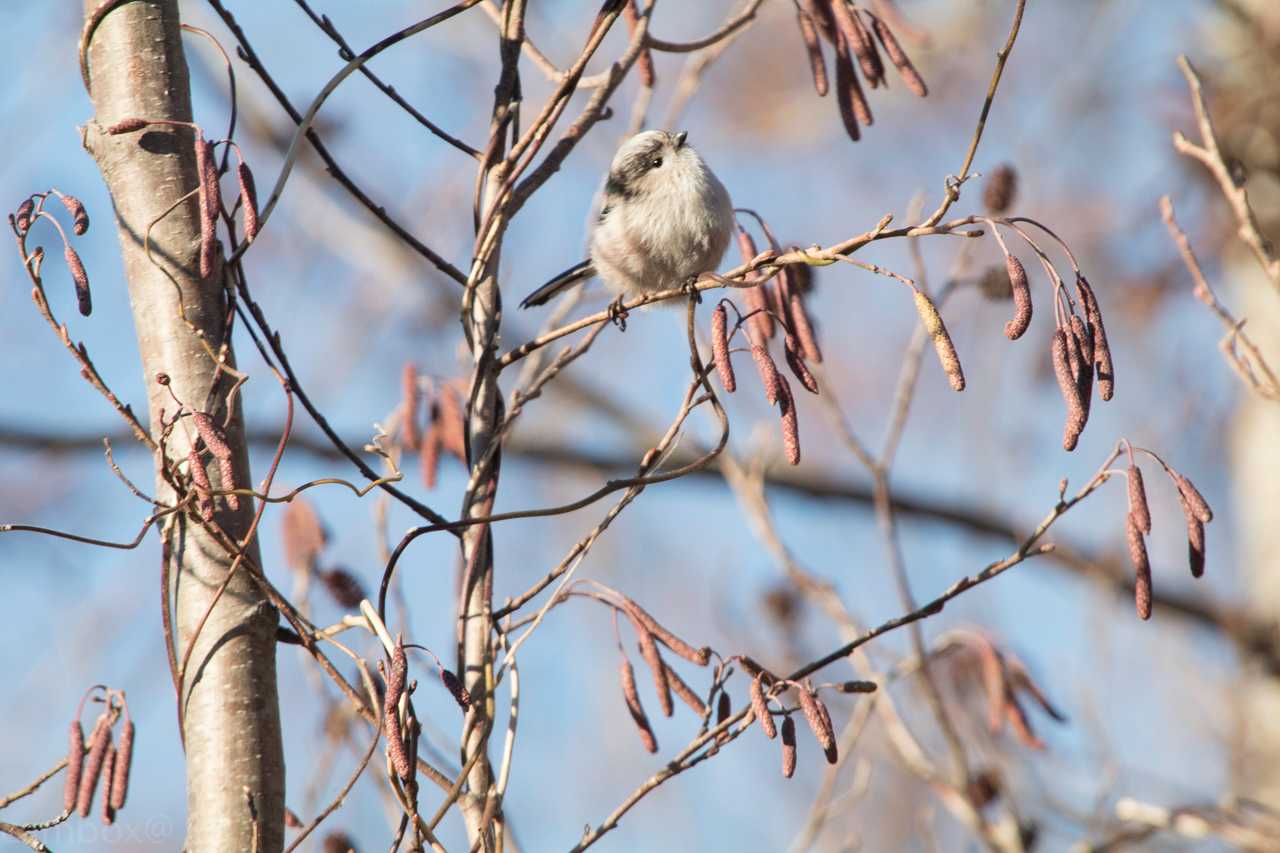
(680, 138)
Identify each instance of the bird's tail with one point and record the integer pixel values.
(575, 274)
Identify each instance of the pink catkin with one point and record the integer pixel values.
(1021, 321)
(208, 222)
(391, 712)
(200, 482)
(453, 684)
(128, 125)
(768, 371)
(898, 57)
(99, 742)
(22, 219)
(84, 300)
(214, 439)
(653, 657)
(813, 50)
(75, 766)
(788, 747)
(1101, 349)
(790, 422)
(858, 40)
(699, 656)
(79, 216)
(1070, 391)
(632, 697)
(798, 368)
(720, 348)
(799, 318)
(685, 692)
(303, 534)
(1141, 566)
(853, 104)
(1195, 501)
(942, 344)
(819, 723)
(108, 777)
(1195, 546)
(1138, 499)
(644, 63)
(248, 201)
(123, 763)
(760, 707)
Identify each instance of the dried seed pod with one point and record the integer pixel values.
(108, 776)
(639, 615)
(1141, 566)
(857, 687)
(22, 219)
(1000, 189)
(819, 722)
(799, 319)
(854, 108)
(396, 678)
(898, 57)
(1195, 501)
(652, 657)
(760, 707)
(798, 368)
(1138, 499)
(343, 586)
(790, 422)
(1195, 545)
(1021, 291)
(644, 62)
(685, 692)
(123, 762)
(99, 742)
(83, 299)
(79, 217)
(768, 371)
(1070, 391)
(410, 430)
(1101, 350)
(817, 65)
(248, 201)
(75, 766)
(453, 684)
(304, 536)
(788, 747)
(127, 125)
(632, 697)
(857, 38)
(942, 344)
(720, 348)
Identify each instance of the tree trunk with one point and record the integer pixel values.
(230, 707)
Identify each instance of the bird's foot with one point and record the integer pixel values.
(618, 313)
(690, 288)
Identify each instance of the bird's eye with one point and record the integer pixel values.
(655, 163)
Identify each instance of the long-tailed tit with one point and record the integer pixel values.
(666, 218)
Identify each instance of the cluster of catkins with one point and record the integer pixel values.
(445, 421)
(100, 758)
(842, 24)
(401, 734)
(208, 187)
(1005, 681)
(305, 540)
(1195, 510)
(32, 210)
(772, 304)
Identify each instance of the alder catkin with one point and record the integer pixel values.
(248, 201)
(760, 707)
(799, 318)
(84, 301)
(411, 430)
(1101, 350)
(343, 587)
(1195, 501)
(200, 482)
(120, 771)
(854, 109)
(79, 216)
(75, 766)
(859, 41)
(942, 344)
(632, 697)
(303, 534)
(898, 57)
(685, 692)
(127, 125)
(453, 684)
(644, 62)
(1138, 499)
(798, 368)
(720, 348)
(653, 658)
(1195, 546)
(768, 371)
(396, 677)
(99, 741)
(817, 64)
(788, 747)
(1070, 391)
(108, 777)
(790, 422)
(1141, 566)
(22, 219)
(1021, 290)
(819, 722)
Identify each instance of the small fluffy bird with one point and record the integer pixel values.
(666, 219)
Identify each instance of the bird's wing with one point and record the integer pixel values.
(575, 274)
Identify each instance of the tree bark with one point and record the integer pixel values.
(230, 707)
